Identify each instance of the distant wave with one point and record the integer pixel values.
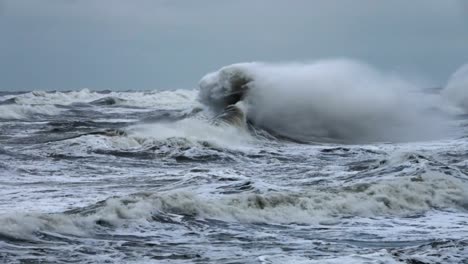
(335, 100)
(14, 111)
(160, 99)
(27, 104)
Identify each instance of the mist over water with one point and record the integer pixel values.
(456, 89)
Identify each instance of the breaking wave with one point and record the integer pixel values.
(188, 139)
(336, 100)
(404, 197)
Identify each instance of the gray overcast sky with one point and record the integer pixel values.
(168, 44)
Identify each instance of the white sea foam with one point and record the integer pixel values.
(399, 197)
(194, 130)
(336, 100)
(382, 256)
(189, 137)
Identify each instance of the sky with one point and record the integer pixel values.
(171, 44)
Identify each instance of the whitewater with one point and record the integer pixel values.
(330, 161)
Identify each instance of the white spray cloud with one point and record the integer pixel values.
(332, 100)
(456, 89)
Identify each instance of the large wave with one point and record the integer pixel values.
(334, 100)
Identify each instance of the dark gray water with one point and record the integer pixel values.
(139, 177)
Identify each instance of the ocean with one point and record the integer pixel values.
(309, 165)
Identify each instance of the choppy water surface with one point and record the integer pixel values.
(146, 177)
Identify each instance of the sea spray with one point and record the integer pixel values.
(456, 89)
(333, 100)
